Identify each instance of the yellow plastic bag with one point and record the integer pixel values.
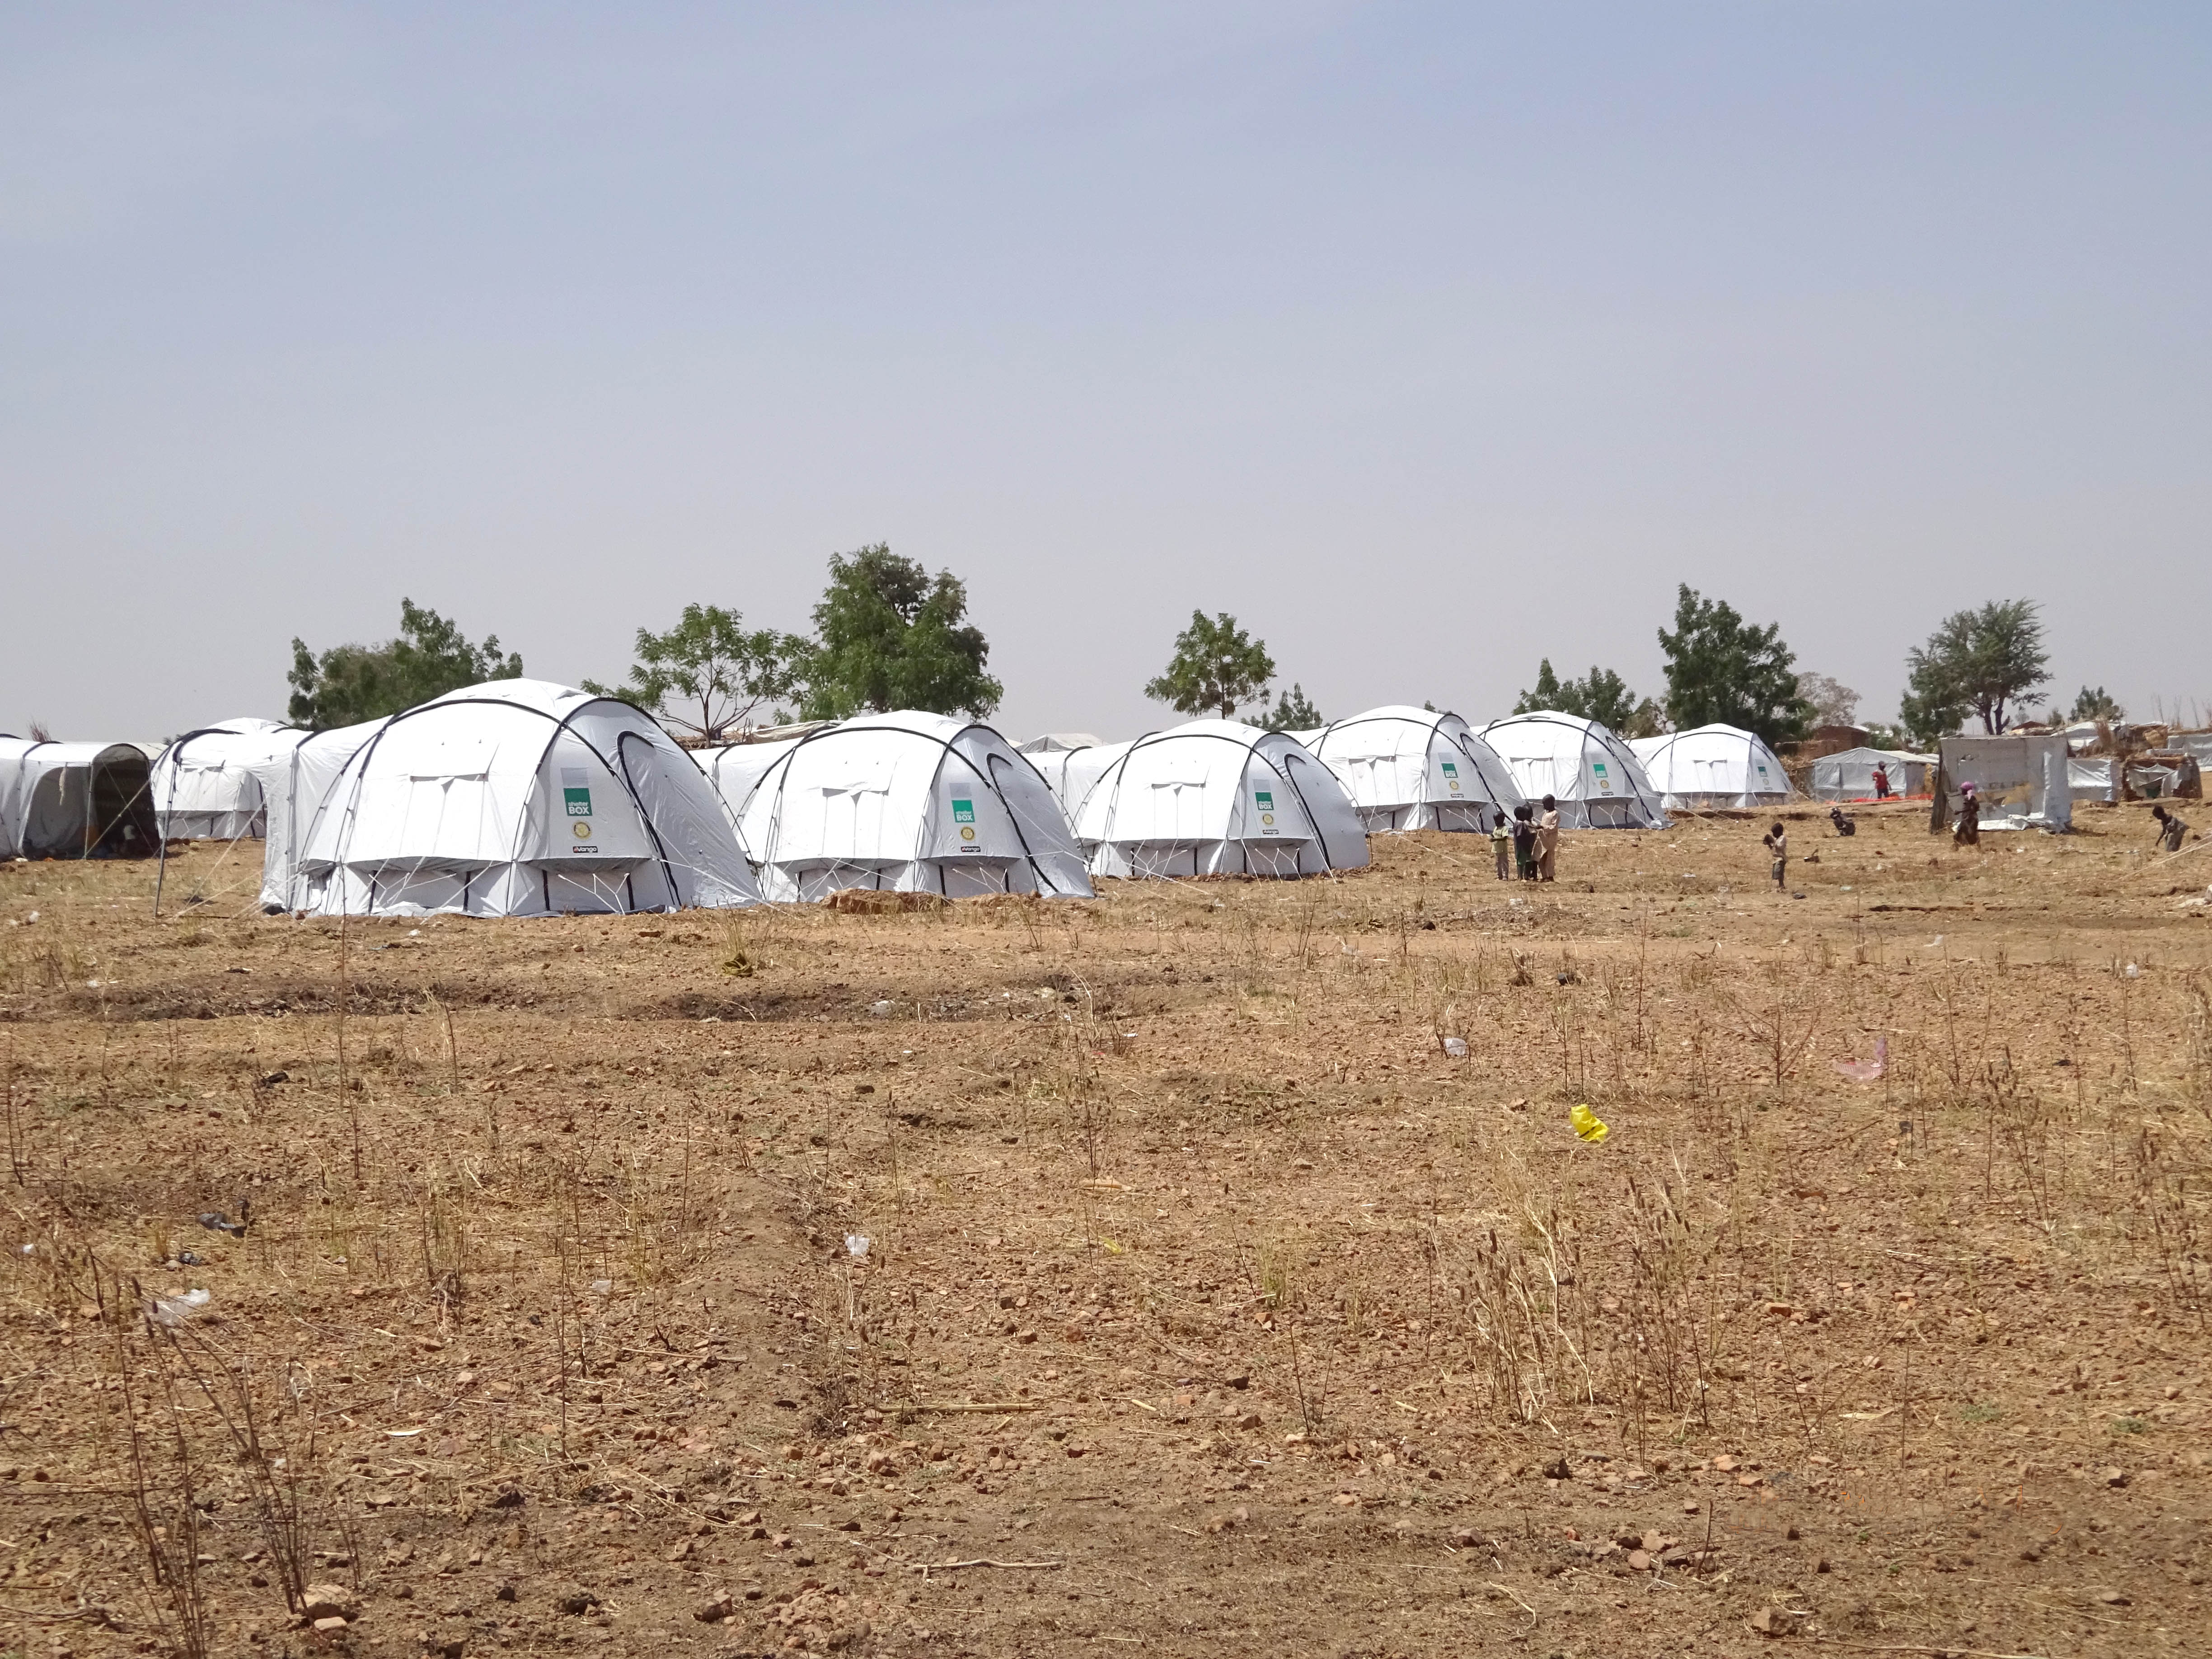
(1588, 1124)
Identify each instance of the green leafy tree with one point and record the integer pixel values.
(1292, 713)
(1216, 668)
(1978, 662)
(349, 684)
(888, 634)
(1721, 671)
(1602, 696)
(709, 675)
(2097, 705)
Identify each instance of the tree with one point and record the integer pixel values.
(1215, 668)
(1721, 671)
(888, 634)
(1978, 662)
(1292, 713)
(1603, 696)
(349, 684)
(1832, 702)
(720, 672)
(2097, 705)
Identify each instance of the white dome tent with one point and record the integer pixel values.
(1416, 768)
(907, 802)
(1849, 775)
(206, 784)
(1711, 766)
(1592, 773)
(1069, 773)
(75, 800)
(1218, 798)
(512, 797)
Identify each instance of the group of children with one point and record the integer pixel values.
(1532, 840)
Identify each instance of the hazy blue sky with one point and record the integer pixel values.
(1428, 338)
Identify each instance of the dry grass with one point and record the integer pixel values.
(1298, 1333)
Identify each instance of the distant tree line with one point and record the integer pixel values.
(888, 633)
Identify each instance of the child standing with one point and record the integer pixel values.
(1524, 842)
(1776, 840)
(1501, 842)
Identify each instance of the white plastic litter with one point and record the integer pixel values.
(176, 1309)
(1455, 1047)
(856, 1244)
(603, 1287)
(2133, 970)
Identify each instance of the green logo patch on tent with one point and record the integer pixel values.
(580, 802)
(964, 812)
(1265, 797)
(1451, 771)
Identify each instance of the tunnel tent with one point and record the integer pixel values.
(1848, 775)
(1711, 766)
(207, 783)
(1218, 798)
(512, 797)
(1596, 778)
(1416, 768)
(907, 801)
(76, 800)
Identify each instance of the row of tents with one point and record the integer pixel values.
(522, 797)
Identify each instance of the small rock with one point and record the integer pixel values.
(1724, 1462)
(2112, 1598)
(1638, 1561)
(574, 1599)
(713, 1611)
(1556, 1469)
(329, 1602)
(330, 1626)
(1775, 1621)
(1346, 1500)
(504, 1592)
(2115, 1477)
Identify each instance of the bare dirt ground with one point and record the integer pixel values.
(1209, 1304)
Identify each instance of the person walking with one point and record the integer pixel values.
(1777, 842)
(1881, 780)
(1524, 843)
(1501, 842)
(1548, 840)
(2171, 830)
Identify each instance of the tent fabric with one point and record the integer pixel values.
(76, 800)
(2010, 776)
(510, 797)
(2089, 777)
(1713, 766)
(1069, 773)
(1850, 775)
(1595, 776)
(908, 802)
(293, 786)
(206, 784)
(1216, 797)
(1416, 768)
(1053, 743)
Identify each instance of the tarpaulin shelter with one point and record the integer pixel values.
(76, 800)
(206, 784)
(908, 802)
(1850, 775)
(1594, 776)
(1709, 767)
(1217, 798)
(1415, 769)
(512, 797)
(2014, 777)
